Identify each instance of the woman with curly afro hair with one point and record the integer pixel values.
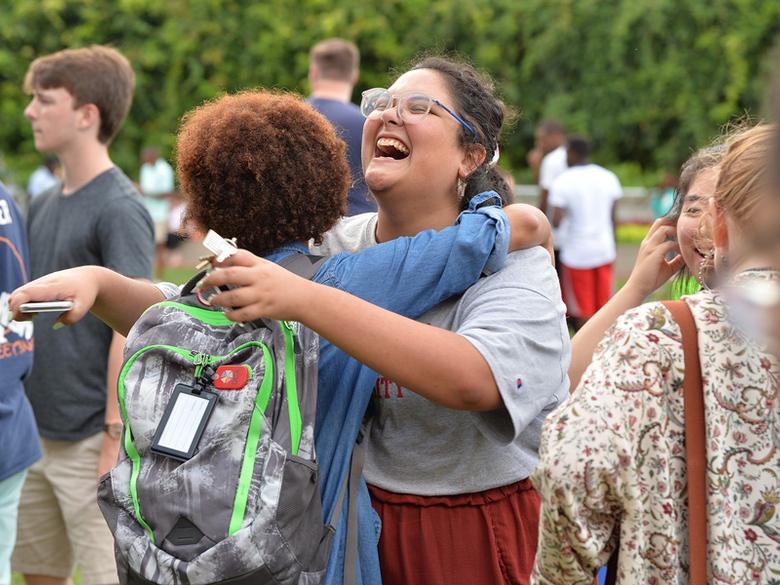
(261, 166)
(265, 168)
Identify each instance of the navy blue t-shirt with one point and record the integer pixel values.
(348, 121)
(18, 435)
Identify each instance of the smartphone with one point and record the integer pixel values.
(46, 307)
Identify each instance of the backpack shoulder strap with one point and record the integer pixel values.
(351, 483)
(188, 288)
(695, 443)
(304, 265)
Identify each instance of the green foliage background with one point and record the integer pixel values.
(648, 80)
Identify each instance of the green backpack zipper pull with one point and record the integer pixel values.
(203, 373)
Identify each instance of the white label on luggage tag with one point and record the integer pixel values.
(183, 422)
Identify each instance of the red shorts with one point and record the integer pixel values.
(585, 291)
(484, 537)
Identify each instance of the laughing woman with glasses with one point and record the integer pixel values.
(449, 480)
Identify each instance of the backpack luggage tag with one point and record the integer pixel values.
(185, 417)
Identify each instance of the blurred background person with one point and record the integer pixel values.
(45, 176)
(95, 216)
(333, 73)
(177, 231)
(156, 180)
(534, 160)
(18, 433)
(662, 198)
(550, 140)
(587, 194)
(510, 180)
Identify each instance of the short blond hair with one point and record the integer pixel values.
(745, 175)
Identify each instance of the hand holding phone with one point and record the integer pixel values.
(46, 307)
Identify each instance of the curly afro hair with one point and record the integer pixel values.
(263, 167)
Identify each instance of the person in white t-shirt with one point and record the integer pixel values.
(550, 137)
(587, 195)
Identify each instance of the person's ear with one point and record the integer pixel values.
(720, 232)
(354, 78)
(314, 74)
(472, 158)
(90, 114)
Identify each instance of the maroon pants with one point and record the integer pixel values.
(486, 537)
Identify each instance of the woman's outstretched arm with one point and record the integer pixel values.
(115, 299)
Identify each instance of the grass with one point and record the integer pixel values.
(179, 275)
(17, 579)
(631, 233)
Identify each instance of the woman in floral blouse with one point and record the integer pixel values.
(612, 458)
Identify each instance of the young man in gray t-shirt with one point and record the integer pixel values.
(95, 216)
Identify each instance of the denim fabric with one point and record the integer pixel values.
(407, 276)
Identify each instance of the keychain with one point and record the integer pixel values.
(220, 249)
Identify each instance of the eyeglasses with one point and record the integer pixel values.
(412, 107)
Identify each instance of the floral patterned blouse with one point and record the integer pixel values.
(612, 457)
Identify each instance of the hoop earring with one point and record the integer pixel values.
(461, 188)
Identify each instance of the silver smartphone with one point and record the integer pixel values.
(46, 307)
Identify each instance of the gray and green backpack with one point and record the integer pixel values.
(217, 480)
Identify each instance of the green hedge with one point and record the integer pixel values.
(631, 233)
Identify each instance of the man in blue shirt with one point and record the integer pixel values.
(333, 73)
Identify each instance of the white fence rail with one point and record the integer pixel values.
(634, 207)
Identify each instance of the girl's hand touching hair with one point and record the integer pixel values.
(652, 269)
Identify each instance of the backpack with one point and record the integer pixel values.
(217, 480)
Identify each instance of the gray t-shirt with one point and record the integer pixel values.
(103, 223)
(516, 320)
